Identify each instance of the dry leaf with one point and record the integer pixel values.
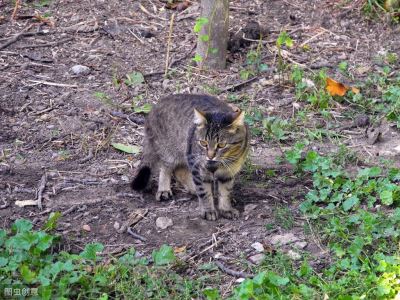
(335, 88)
(179, 6)
(179, 249)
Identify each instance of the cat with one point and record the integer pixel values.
(203, 142)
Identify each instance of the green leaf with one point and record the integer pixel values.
(21, 225)
(350, 203)
(3, 262)
(131, 149)
(146, 108)
(163, 256)
(277, 280)
(51, 223)
(91, 250)
(370, 172)
(200, 22)
(44, 241)
(27, 274)
(211, 294)
(134, 78)
(204, 37)
(3, 236)
(386, 197)
(197, 58)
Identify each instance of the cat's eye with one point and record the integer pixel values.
(221, 145)
(203, 143)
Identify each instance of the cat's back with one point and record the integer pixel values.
(182, 105)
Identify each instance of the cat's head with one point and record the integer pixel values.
(222, 137)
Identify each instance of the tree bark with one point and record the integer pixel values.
(213, 50)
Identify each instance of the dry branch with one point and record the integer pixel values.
(232, 272)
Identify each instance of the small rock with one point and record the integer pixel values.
(166, 84)
(257, 258)
(116, 225)
(44, 117)
(163, 222)
(300, 245)
(308, 83)
(258, 247)
(86, 228)
(283, 239)
(294, 255)
(80, 70)
(249, 207)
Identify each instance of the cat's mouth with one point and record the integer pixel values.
(212, 165)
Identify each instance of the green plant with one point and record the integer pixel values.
(29, 264)
(283, 40)
(104, 98)
(198, 26)
(134, 79)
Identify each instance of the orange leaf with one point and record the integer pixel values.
(335, 88)
(179, 249)
(355, 90)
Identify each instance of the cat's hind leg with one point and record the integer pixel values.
(164, 184)
(184, 177)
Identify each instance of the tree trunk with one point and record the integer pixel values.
(213, 37)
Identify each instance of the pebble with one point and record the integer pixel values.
(80, 70)
(86, 228)
(116, 225)
(258, 247)
(294, 255)
(166, 84)
(257, 258)
(283, 239)
(163, 222)
(300, 245)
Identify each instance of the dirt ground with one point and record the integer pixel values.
(57, 123)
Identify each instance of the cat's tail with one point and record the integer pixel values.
(142, 178)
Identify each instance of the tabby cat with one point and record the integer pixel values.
(200, 140)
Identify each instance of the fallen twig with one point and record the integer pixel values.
(51, 44)
(150, 14)
(17, 4)
(42, 186)
(136, 235)
(18, 36)
(171, 25)
(87, 157)
(54, 83)
(239, 85)
(133, 219)
(69, 210)
(232, 272)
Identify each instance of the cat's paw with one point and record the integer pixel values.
(229, 214)
(210, 215)
(164, 195)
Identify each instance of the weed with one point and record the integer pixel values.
(284, 217)
(27, 263)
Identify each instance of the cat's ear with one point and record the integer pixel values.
(238, 118)
(199, 118)
(238, 121)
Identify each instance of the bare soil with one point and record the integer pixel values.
(52, 122)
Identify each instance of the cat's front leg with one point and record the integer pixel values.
(204, 190)
(224, 199)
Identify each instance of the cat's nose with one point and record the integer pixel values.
(210, 154)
